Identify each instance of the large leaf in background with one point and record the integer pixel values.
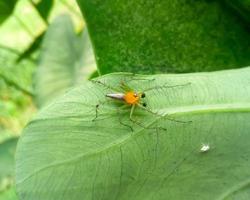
(64, 155)
(165, 36)
(61, 61)
(89, 63)
(6, 8)
(242, 7)
(7, 151)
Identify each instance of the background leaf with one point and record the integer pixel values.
(62, 62)
(242, 7)
(33, 47)
(6, 8)
(165, 36)
(88, 60)
(44, 7)
(63, 154)
(16, 105)
(9, 194)
(7, 151)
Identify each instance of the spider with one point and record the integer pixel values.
(134, 99)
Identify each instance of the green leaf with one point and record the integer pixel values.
(44, 8)
(64, 155)
(62, 61)
(94, 75)
(17, 75)
(6, 9)
(88, 60)
(242, 7)
(7, 151)
(9, 194)
(34, 46)
(165, 36)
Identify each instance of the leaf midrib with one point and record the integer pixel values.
(211, 108)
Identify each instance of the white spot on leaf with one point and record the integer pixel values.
(204, 148)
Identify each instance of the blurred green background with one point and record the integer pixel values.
(23, 26)
(17, 33)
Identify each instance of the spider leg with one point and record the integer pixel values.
(124, 82)
(132, 78)
(131, 118)
(165, 116)
(97, 106)
(105, 85)
(140, 124)
(122, 123)
(176, 120)
(166, 86)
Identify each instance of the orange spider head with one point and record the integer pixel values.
(133, 98)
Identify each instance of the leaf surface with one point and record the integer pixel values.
(64, 155)
(165, 36)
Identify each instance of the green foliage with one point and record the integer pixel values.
(64, 57)
(94, 75)
(63, 154)
(15, 93)
(242, 7)
(88, 60)
(44, 7)
(16, 105)
(165, 36)
(33, 47)
(7, 150)
(9, 194)
(6, 9)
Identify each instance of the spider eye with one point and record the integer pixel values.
(143, 95)
(135, 95)
(144, 105)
